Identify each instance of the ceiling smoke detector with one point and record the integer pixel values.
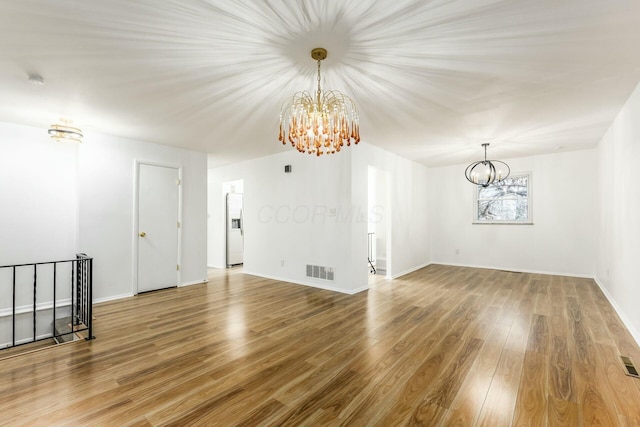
(36, 79)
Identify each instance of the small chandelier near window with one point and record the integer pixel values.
(320, 124)
(64, 132)
(484, 172)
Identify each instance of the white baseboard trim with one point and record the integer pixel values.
(310, 284)
(516, 270)
(6, 312)
(358, 290)
(195, 282)
(26, 340)
(111, 298)
(410, 270)
(121, 296)
(625, 320)
(28, 308)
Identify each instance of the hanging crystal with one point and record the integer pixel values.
(319, 125)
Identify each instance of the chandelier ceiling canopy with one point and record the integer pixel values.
(486, 172)
(319, 124)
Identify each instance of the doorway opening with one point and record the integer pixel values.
(234, 222)
(379, 221)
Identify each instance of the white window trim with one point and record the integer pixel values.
(528, 221)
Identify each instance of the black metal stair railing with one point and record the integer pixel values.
(79, 297)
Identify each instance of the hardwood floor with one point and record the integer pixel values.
(440, 346)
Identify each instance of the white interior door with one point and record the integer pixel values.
(158, 202)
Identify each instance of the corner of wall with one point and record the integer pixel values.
(625, 320)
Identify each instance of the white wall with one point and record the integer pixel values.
(106, 208)
(318, 214)
(619, 205)
(38, 199)
(57, 199)
(564, 204)
(38, 223)
(287, 217)
(410, 236)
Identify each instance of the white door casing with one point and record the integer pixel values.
(157, 226)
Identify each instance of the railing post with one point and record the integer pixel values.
(90, 301)
(73, 264)
(35, 284)
(13, 314)
(53, 326)
(79, 277)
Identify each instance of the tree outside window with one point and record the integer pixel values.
(508, 201)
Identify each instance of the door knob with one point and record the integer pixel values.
(142, 234)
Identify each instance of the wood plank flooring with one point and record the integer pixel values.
(444, 346)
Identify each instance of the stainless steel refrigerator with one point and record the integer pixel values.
(235, 230)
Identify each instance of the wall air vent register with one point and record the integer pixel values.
(320, 272)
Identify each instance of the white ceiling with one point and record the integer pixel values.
(432, 79)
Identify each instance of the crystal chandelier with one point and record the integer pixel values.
(484, 172)
(64, 132)
(319, 125)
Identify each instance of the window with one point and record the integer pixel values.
(506, 202)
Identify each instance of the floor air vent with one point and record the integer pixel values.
(629, 368)
(320, 272)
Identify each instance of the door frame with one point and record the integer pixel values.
(136, 201)
(388, 215)
(226, 229)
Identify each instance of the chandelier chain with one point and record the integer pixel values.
(319, 93)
